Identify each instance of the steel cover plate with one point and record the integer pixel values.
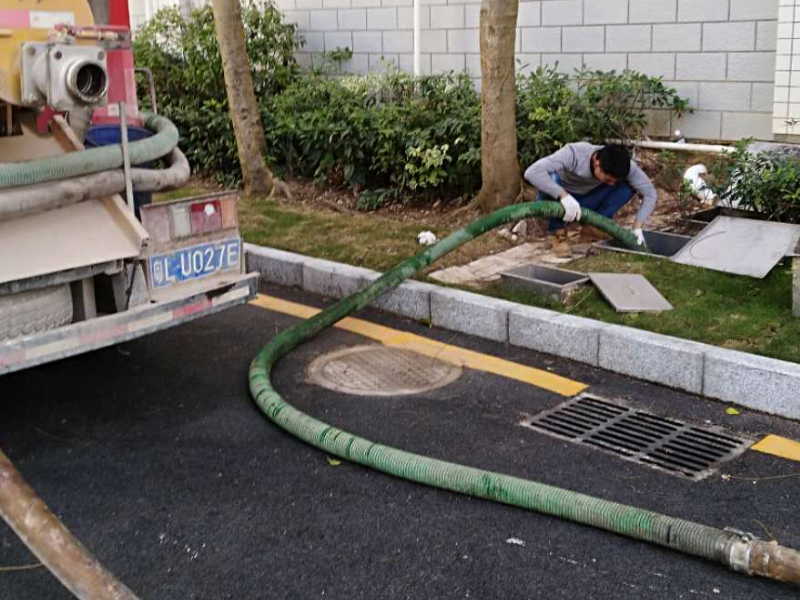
(669, 445)
(70, 237)
(376, 370)
(740, 246)
(629, 292)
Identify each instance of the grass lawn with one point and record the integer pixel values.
(741, 313)
(731, 311)
(362, 240)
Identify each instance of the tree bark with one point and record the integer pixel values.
(242, 102)
(500, 171)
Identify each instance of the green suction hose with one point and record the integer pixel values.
(92, 160)
(734, 549)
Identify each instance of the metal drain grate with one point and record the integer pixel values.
(676, 447)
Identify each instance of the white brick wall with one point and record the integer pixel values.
(703, 10)
(142, 11)
(605, 11)
(562, 12)
(733, 59)
(720, 54)
(653, 11)
(786, 108)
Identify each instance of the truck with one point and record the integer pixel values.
(85, 260)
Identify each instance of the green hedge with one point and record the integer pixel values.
(387, 135)
(186, 64)
(765, 182)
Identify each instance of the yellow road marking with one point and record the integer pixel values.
(444, 352)
(778, 446)
(771, 444)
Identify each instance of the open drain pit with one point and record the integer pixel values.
(670, 445)
(660, 244)
(552, 282)
(373, 370)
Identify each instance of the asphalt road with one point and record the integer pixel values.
(153, 454)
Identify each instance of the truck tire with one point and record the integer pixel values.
(30, 312)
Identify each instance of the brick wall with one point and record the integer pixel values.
(787, 70)
(142, 11)
(721, 54)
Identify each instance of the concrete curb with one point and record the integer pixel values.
(761, 383)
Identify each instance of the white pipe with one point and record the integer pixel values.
(716, 148)
(417, 41)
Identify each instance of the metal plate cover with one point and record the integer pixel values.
(629, 292)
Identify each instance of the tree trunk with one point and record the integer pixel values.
(242, 102)
(499, 164)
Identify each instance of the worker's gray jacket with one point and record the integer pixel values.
(573, 165)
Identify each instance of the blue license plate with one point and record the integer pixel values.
(194, 262)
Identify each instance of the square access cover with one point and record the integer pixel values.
(740, 246)
(629, 292)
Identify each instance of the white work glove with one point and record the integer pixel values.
(637, 231)
(572, 210)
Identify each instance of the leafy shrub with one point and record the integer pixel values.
(374, 199)
(184, 58)
(616, 105)
(765, 182)
(546, 118)
(379, 131)
(554, 108)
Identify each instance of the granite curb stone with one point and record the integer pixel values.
(276, 266)
(410, 299)
(471, 313)
(766, 384)
(554, 333)
(335, 280)
(758, 382)
(654, 357)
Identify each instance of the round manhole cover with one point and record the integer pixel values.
(380, 371)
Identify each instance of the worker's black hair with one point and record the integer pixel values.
(615, 160)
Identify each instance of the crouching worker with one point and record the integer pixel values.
(601, 178)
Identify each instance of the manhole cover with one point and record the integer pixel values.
(676, 447)
(380, 371)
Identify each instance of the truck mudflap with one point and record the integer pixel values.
(216, 295)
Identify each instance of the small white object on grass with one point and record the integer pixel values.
(426, 238)
(515, 541)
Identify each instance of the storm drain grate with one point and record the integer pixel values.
(676, 447)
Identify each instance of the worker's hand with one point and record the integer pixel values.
(572, 210)
(637, 231)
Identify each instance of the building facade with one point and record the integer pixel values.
(737, 61)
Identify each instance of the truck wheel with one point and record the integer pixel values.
(34, 311)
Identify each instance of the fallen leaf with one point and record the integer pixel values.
(733, 411)
(333, 462)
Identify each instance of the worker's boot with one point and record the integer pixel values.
(559, 244)
(590, 234)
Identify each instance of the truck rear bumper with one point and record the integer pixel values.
(29, 351)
